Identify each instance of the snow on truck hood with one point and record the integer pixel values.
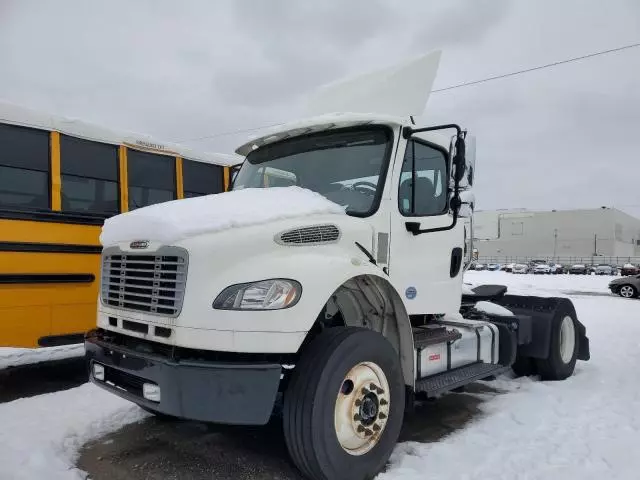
(178, 219)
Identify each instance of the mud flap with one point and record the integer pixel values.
(542, 310)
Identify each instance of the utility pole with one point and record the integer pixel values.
(595, 244)
(555, 243)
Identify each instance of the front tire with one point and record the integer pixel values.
(628, 291)
(343, 409)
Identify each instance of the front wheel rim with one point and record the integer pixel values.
(626, 291)
(567, 339)
(362, 408)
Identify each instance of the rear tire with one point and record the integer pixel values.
(628, 291)
(563, 345)
(336, 424)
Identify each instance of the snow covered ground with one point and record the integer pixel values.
(14, 357)
(586, 427)
(583, 428)
(41, 436)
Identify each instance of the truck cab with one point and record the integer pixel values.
(335, 291)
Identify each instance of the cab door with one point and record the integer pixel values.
(425, 265)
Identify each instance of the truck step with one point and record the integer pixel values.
(446, 381)
(433, 334)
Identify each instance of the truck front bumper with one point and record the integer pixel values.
(220, 392)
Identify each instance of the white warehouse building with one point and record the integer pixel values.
(559, 234)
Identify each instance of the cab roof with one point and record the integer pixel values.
(334, 121)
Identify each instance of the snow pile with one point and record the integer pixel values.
(14, 357)
(543, 285)
(172, 221)
(493, 309)
(41, 436)
(467, 289)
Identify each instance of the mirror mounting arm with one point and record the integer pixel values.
(458, 162)
(408, 131)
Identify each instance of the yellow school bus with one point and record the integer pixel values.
(59, 180)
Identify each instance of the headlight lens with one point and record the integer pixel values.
(263, 295)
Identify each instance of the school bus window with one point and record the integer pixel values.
(152, 178)
(201, 178)
(24, 167)
(89, 172)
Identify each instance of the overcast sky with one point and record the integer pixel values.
(565, 137)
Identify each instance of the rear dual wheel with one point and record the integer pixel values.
(344, 407)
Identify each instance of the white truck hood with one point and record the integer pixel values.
(172, 221)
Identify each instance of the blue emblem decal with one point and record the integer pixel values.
(411, 293)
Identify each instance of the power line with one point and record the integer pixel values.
(452, 87)
(540, 67)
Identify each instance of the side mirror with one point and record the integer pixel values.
(459, 158)
(468, 171)
(470, 158)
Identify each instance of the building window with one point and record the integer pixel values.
(429, 194)
(152, 178)
(24, 167)
(89, 173)
(201, 178)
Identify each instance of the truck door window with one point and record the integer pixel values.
(426, 194)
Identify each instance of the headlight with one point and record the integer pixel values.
(264, 295)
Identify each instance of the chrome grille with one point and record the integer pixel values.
(152, 282)
(314, 235)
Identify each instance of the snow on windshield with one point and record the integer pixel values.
(172, 221)
(344, 166)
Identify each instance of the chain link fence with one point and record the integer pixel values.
(566, 261)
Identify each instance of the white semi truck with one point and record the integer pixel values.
(337, 294)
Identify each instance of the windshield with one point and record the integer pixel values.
(347, 166)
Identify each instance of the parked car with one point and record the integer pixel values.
(533, 263)
(542, 269)
(494, 267)
(520, 268)
(627, 287)
(629, 269)
(557, 269)
(578, 269)
(604, 270)
(480, 266)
